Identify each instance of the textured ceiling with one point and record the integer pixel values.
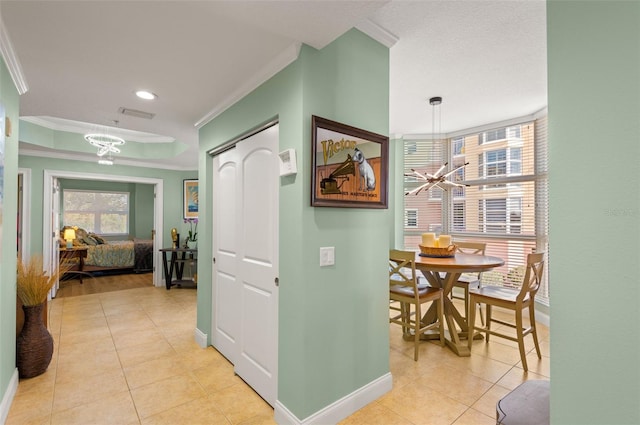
(82, 60)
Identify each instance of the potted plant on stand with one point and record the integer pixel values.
(34, 345)
(192, 238)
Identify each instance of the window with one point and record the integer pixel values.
(493, 135)
(504, 201)
(500, 215)
(458, 216)
(411, 217)
(499, 134)
(494, 163)
(457, 146)
(105, 213)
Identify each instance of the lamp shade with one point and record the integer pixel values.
(69, 234)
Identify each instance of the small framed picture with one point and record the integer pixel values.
(190, 199)
(349, 166)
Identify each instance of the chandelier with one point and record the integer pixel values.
(106, 144)
(440, 177)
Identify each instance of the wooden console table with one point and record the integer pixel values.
(176, 263)
(68, 255)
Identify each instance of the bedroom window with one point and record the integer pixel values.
(104, 213)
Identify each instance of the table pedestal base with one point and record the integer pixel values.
(460, 349)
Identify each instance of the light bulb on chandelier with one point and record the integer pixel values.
(106, 144)
(437, 179)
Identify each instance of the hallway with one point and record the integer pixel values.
(129, 357)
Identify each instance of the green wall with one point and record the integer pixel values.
(172, 182)
(11, 101)
(140, 202)
(333, 331)
(594, 185)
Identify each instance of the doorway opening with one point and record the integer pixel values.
(51, 222)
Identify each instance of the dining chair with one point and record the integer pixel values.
(512, 299)
(467, 280)
(404, 293)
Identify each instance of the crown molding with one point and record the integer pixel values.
(289, 55)
(11, 60)
(93, 159)
(378, 33)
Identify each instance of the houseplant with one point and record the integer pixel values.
(34, 345)
(192, 236)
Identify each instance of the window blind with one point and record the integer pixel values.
(504, 201)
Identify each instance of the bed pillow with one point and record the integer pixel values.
(99, 240)
(88, 240)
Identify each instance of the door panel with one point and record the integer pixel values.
(258, 352)
(226, 296)
(246, 269)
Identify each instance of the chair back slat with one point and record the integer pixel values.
(532, 277)
(477, 248)
(402, 269)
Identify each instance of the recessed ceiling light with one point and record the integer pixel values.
(146, 95)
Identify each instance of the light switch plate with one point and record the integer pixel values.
(327, 256)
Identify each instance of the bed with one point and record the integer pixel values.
(127, 255)
(116, 255)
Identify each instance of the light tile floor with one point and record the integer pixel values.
(129, 357)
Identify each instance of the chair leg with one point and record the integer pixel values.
(466, 300)
(471, 321)
(520, 334)
(534, 331)
(440, 312)
(488, 322)
(404, 317)
(416, 333)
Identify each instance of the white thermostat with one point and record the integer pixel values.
(288, 162)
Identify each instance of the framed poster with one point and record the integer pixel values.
(190, 199)
(349, 166)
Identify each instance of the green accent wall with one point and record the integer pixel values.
(333, 321)
(140, 202)
(10, 100)
(594, 210)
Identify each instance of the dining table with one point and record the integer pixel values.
(443, 272)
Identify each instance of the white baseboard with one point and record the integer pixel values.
(542, 318)
(340, 409)
(201, 338)
(7, 399)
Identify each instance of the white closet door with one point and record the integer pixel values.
(246, 186)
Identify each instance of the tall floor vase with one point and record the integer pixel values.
(34, 344)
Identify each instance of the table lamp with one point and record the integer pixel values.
(69, 236)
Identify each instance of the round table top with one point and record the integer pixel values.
(461, 263)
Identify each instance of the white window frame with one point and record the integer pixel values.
(98, 211)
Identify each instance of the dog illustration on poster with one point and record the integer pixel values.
(367, 176)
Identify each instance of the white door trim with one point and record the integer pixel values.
(26, 212)
(158, 220)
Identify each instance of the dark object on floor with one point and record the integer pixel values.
(34, 345)
(527, 404)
